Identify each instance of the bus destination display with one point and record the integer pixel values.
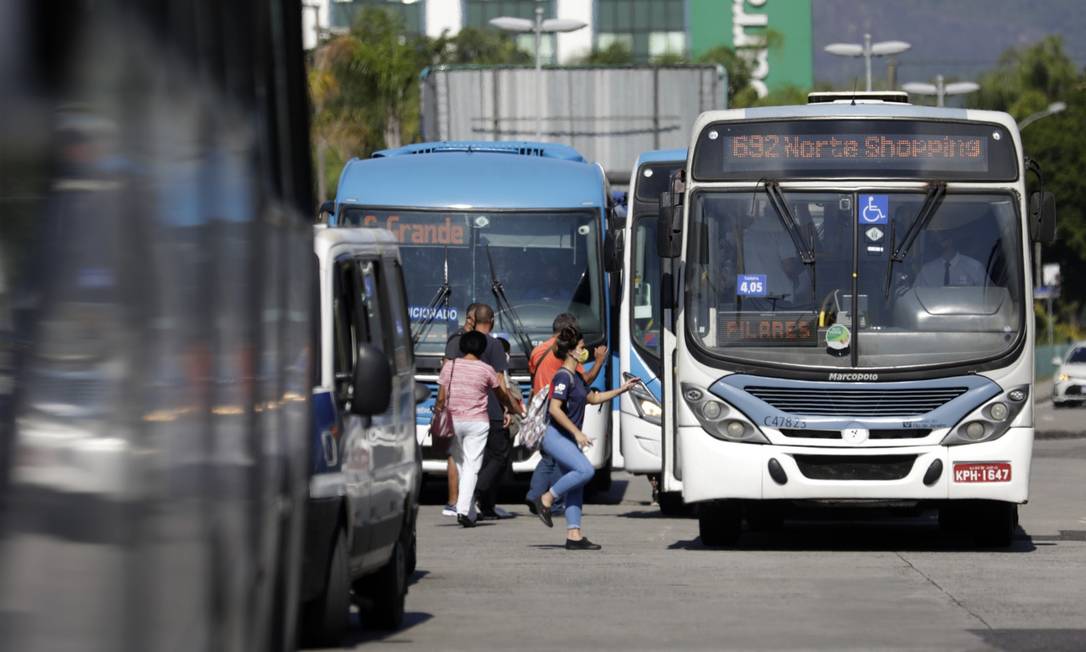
(968, 153)
(778, 328)
(870, 148)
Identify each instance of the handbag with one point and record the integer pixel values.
(441, 425)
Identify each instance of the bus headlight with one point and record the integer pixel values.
(989, 421)
(648, 408)
(720, 419)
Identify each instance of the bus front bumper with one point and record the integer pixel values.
(714, 469)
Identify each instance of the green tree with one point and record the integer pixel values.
(738, 68)
(480, 47)
(1027, 80)
(615, 54)
(364, 88)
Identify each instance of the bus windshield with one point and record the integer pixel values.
(954, 296)
(546, 262)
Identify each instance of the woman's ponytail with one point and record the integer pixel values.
(567, 340)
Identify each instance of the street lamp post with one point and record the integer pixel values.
(868, 50)
(1053, 109)
(538, 27)
(940, 89)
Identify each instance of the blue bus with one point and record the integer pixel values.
(518, 225)
(639, 446)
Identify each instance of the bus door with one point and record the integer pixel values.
(669, 246)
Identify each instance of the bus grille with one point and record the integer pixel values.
(847, 402)
(855, 467)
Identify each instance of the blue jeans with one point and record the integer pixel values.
(544, 476)
(576, 472)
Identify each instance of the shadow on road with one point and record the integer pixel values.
(359, 634)
(435, 492)
(887, 536)
(1033, 640)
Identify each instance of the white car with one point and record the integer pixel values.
(1069, 389)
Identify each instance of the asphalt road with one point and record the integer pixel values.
(869, 580)
(1052, 422)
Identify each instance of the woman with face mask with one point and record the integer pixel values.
(564, 440)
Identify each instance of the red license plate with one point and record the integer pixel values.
(982, 472)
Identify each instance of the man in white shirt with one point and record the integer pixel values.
(951, 268)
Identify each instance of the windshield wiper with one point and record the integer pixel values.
(934, 198)
(780, 206)
(505, 308)
(441, 297)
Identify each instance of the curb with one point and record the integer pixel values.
(1059, 434)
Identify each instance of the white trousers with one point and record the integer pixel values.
(467, 451)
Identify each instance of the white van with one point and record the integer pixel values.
(365, 467)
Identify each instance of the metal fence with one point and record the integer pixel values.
(609, 114)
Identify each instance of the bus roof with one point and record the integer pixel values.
(513, 147)
(662, 156)
(471, 180)
(859, 109)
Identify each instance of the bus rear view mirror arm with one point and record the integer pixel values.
(1042, 217)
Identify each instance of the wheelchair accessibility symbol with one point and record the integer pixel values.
(874, 209)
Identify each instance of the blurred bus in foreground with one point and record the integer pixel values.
(157, 271)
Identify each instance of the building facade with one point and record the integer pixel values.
(774, 34)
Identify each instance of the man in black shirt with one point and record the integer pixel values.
(498, 447)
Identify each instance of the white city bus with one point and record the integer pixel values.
(639, 321)
(851, 313)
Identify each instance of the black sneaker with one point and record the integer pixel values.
(531, 506)
(581, 544)
(464, 520)
(496, 514)
(543, 512)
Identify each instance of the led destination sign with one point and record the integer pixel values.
(768, 329)
(965, 152)
(819, 148)
(422, 228)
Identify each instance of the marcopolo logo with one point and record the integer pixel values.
(853, 377)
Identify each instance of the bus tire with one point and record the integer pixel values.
(601, 481)
(411, 546)
(952, 518)
(765, 516)
(387, 591)
(671, 503)
(325, 619)
(720, 523)
(994, 523)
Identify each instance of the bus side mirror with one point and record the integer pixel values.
(422, 393)
(669, 226)
(372, 382)
(612, 251)
(327, 208)
(1042, 217)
